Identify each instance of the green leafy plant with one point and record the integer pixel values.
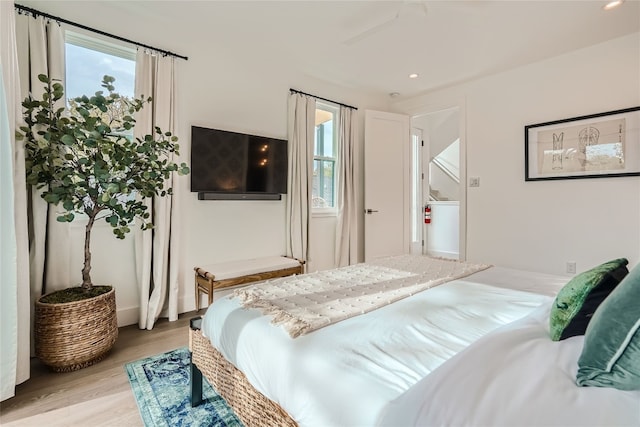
(88, 163)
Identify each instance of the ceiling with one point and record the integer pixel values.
(444, 42)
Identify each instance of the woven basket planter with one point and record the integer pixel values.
(73, 335)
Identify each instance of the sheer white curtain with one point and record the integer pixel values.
(157, 250)
(14, 243)
(301, 131)
(41, 51)
(346, 251)
(28, 47)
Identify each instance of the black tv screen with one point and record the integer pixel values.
(237, 163)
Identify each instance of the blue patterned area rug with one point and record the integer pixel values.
(161, 387)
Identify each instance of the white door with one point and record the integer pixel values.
(387, 186)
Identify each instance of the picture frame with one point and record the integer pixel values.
(599, 145)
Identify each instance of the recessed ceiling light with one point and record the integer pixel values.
(413, 76)
(612, 4)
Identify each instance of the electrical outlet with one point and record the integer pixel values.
(474, 181)
(571, 267)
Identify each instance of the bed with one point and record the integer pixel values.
(451, 353)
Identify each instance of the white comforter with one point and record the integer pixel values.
(515, 376)
(348, 373)
(305, 303)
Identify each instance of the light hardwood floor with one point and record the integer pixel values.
(99, 395)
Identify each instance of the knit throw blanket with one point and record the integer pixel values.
(305, 303)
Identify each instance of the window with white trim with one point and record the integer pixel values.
(87, 60)
(325, 158)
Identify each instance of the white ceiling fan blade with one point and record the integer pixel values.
(421, 4)
(371, 31)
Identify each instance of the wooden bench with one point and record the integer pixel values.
(232, 273)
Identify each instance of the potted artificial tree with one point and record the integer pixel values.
(85, 163)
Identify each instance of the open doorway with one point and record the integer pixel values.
(437, 177)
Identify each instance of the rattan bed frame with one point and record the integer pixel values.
(251, 406)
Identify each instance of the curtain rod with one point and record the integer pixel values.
(36, 13)
(324, 99)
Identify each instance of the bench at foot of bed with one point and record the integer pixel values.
(233, 273)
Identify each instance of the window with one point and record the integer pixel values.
(88, 59)
(325, 158)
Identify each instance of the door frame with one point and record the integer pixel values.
(417, 247)
(421, 110)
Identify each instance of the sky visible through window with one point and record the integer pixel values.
(86, 67)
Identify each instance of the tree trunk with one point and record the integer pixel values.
(86, 269)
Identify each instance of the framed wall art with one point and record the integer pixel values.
(594, 146)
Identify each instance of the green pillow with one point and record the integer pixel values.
(580, 297)
(611, 353)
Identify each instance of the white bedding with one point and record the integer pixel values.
(308, 302)
(515, 376)
(346, 374)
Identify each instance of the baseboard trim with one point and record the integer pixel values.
(130, 315)
(127, 316)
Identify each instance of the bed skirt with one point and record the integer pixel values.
(251, 406)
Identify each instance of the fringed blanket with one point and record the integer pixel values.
(304, 303)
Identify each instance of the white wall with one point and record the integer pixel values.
(542, 225)
(243, 99)
(443, 233)
(442, 182)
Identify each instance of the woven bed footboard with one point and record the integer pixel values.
(251, 406)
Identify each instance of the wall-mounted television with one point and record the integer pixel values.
(237, 166)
